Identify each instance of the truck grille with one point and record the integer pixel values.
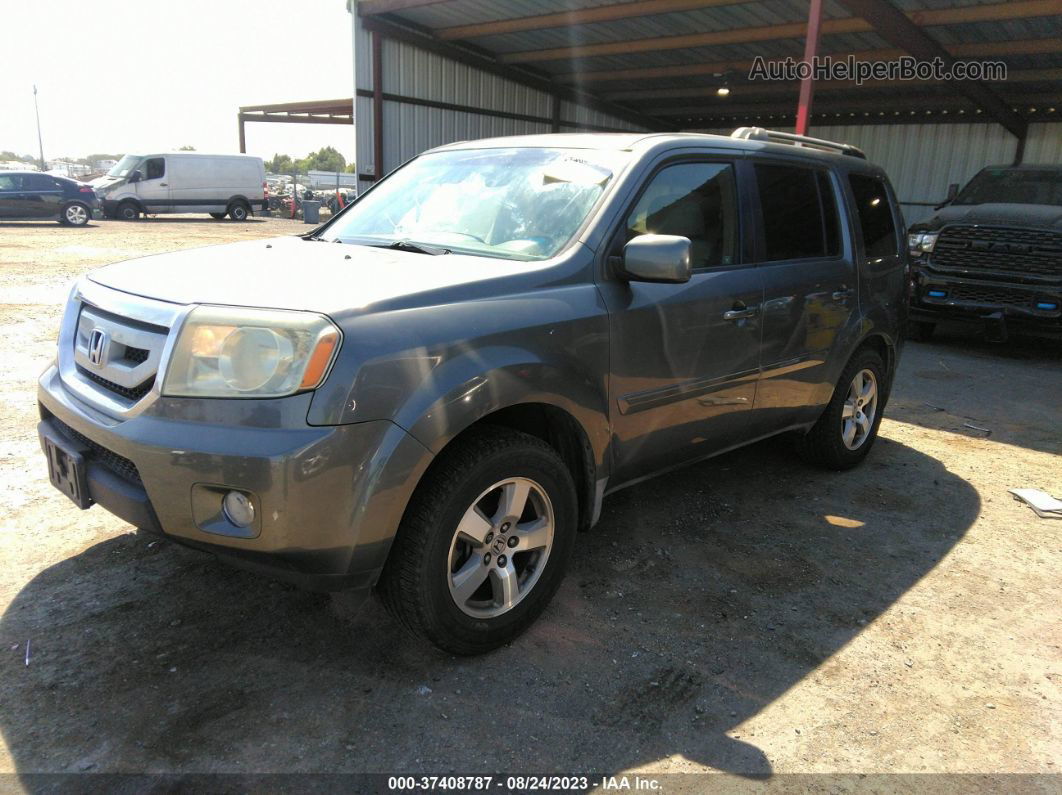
(1028, 251)
(988, 295)
(119, 465)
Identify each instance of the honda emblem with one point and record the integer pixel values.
(97, 347)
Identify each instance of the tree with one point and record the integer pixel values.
(186, 148)
(280, 164)
(327, 158)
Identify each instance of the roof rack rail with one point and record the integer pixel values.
(760, 134)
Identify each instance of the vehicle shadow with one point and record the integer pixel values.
(49, 224)
(962, 384)
(699, 599)
(163, 219)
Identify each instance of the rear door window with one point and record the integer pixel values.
(799, 212)
(875, 216)
(39, 182)
(10, 182)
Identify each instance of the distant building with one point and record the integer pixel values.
(65, 168)
(16, 165)
(104, 165)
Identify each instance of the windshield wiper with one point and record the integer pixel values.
(416, 248)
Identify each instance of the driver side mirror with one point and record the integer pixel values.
(657, 258)
(953, 191)
(136, 176)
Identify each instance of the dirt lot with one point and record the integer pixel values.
(747, 615)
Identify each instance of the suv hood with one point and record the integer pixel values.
(1032, 216)
(292, 273)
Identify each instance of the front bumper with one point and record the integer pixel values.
(328, 500)
(936, 296)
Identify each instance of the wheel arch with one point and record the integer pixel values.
(560, 430)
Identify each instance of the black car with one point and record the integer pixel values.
(32, 195)
(993, 255)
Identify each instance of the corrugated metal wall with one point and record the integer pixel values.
(923, 159)
(409, 129)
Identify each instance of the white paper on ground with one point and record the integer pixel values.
(1043, 503)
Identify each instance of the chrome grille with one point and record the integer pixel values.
(1030, 251)
(112, 346)
(117, 353)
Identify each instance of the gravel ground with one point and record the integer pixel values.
(747, 615)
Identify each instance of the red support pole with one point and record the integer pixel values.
(807, 85)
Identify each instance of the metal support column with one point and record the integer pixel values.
(377, 105)
(807, 85)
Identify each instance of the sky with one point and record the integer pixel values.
(117, 77)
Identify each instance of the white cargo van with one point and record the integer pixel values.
(183, 182)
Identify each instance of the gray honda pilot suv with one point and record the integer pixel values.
(432, 393)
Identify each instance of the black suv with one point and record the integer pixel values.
(435, 390)
(992, 255)
(30, 195)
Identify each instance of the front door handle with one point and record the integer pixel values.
(163, 185)
(741, 313)
(843, 295)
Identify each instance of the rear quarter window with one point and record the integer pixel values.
(874, 216)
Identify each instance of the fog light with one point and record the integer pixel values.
(238, 508)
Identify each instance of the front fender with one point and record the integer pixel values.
(462, 392)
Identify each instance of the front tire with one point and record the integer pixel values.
(239, 211)
(846, 431)
(75, 214)
(484, 543)
(127, 211)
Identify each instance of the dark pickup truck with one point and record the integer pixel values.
(993, 255)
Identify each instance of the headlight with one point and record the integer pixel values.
(232, 352)
(922, 242)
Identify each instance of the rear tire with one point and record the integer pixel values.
(484, 542)
(217, 216)
(75, 214)
(848, 427)
(921, 330)
(239, 211)
(127, 211)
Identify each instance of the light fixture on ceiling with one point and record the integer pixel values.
(723, 91)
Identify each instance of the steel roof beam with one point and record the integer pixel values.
(974, 49)
(580, 16)
(1019, 9)
(779, 89)
(870, 104)
(370, 7)
(901, 31)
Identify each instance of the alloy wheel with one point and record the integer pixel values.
(500, 547)
(859, 410)
(76, 215)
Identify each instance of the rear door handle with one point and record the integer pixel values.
(741, 314)
(841, 295)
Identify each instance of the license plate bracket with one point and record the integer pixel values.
(67, 469)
